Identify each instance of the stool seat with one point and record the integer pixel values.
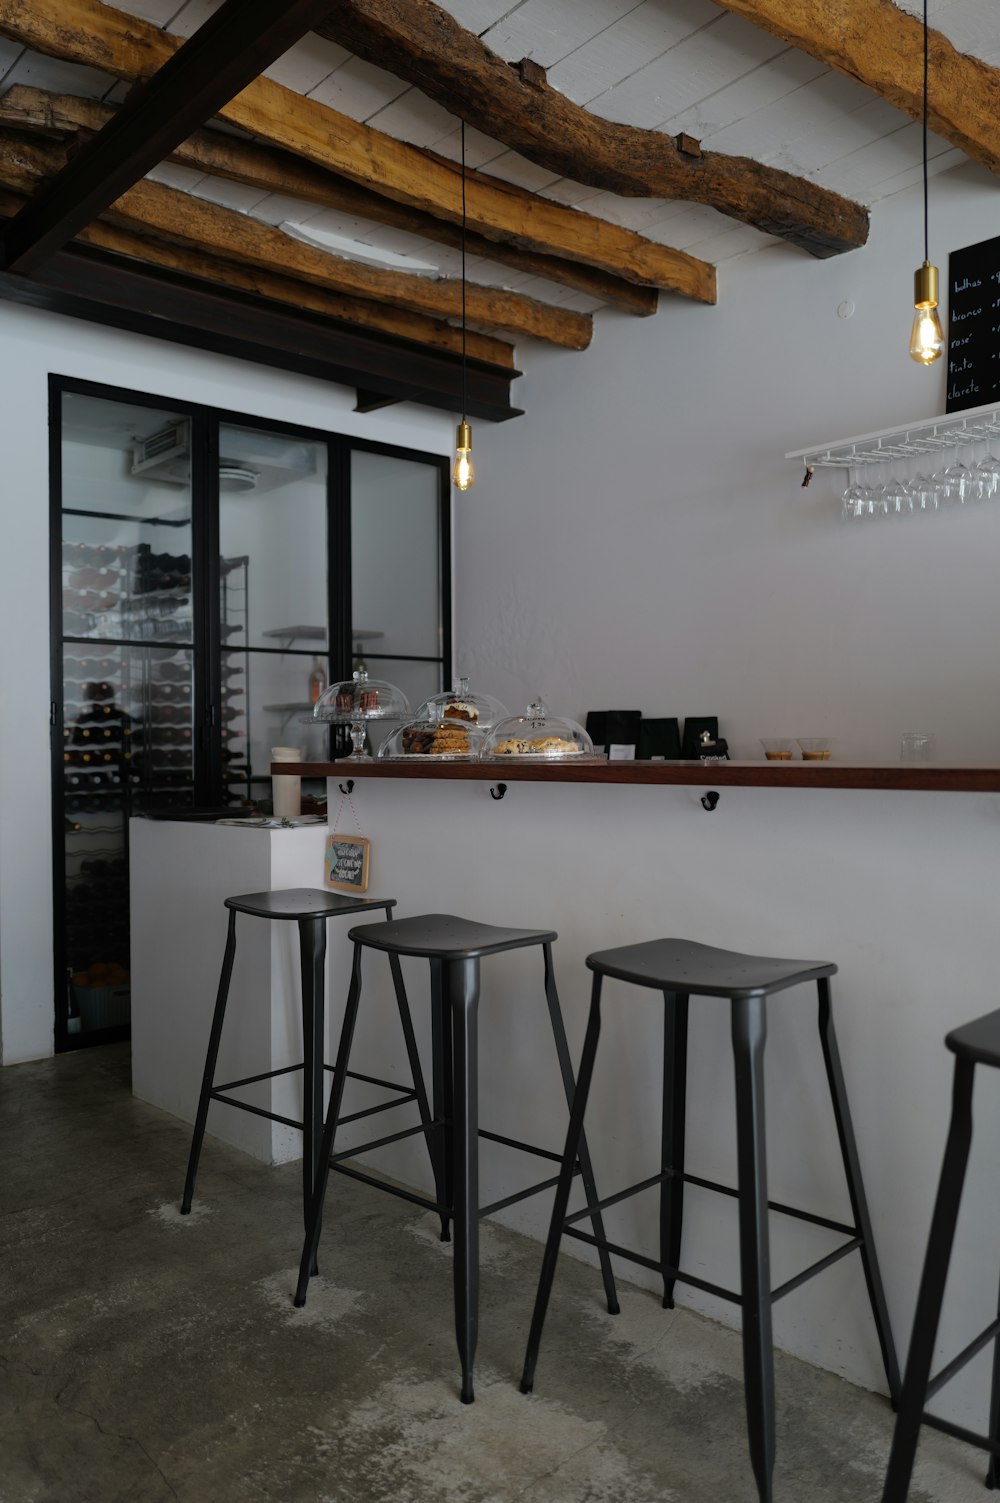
(978, 1041)
(688, 968)
(444, 936)
(303, 903)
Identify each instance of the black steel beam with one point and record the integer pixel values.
(111, 290)
(231, 49)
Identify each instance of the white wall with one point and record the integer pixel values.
(35, 344)
(637, 540)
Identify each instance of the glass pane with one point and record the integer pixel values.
(272, 537)
(126, 554)
(395, 556)
(418, 682)
(127, 745)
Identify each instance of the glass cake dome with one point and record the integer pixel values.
(436, 736)
(458, 704)
(359, 699)
(537, 736)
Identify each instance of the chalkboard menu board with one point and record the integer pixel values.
(974, 326)
(346, 864)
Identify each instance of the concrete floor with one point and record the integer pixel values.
(150, 1357)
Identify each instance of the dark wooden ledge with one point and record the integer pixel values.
(968, 777)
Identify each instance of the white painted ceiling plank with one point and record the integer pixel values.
(229, 195)
(62, 78)
(358, 89)
(194, 14)
(416, 119)
(306, 64)
(628, 45)
(778, 78)
(517, 169)
(709, 60)
(548, 30)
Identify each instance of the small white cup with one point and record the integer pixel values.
(916, 746)
(286, 792)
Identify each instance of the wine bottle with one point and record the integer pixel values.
(317, 681)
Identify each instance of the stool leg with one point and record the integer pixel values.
(856, 1189)
(573, 1135)
(460, 980)
(925, 1324)
(441, 1054)
(211, 1058)
(417, 1076)
(314, 1222)
(993, 1471)
(586, 1167)
(312, 961)
(749, 1026)
(675, 1033)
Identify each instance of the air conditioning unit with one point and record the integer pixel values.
(164, 455)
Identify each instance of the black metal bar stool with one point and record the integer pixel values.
(975, 1044)
(454, 947)
(682, 969)
(311, 908)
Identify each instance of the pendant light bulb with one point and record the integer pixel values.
(464, 474)
(926, 336)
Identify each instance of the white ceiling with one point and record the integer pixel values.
(672, 65)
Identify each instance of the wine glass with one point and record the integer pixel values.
(853, 500)
(896, 498)
(956, 484)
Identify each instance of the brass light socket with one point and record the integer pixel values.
(925, 286)
(463, 435)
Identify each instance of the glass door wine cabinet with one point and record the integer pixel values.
(202, 569)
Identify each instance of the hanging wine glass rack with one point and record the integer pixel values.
(905, 441)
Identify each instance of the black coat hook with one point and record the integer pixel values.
(709, 800)
(499, 791)
(349, 789)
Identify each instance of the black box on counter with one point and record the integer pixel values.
(608, 728)
(694, 728)
(659, 739)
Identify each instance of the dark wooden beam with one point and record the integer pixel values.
(83, 283)
(883, 48)
(87, 32)
(225, 54)
(273, 171)
(420, 42)
(372, 401)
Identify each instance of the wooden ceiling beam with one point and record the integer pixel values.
(166, 214)
(419, 41)
(274, 171)
(882, 46)
(233, 46)
(85, 31)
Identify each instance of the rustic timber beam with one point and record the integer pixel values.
(83, 282)
(275, 171)
(153, 209)
(420, 42)
(882, 46)
(233, 46)
(359, 312)
(85, 31)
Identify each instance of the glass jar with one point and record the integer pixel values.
(434, 737)
(357, 700)
(536, 736)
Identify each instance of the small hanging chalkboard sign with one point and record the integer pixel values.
(346, 864)
(974, 326)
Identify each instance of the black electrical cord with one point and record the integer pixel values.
(464, 378)
(926, 231)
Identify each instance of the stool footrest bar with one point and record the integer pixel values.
(381, 1184)
(542, 1153)
(509, 1200)
(232, 1085)
(964, 1356)
(383, 1106)
(390, 1085)
(772, 1205)
(394, 1137)
(673, 1273)
(612, 1200)
(256, 1111)
(814, 1268)
(969, 1436)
